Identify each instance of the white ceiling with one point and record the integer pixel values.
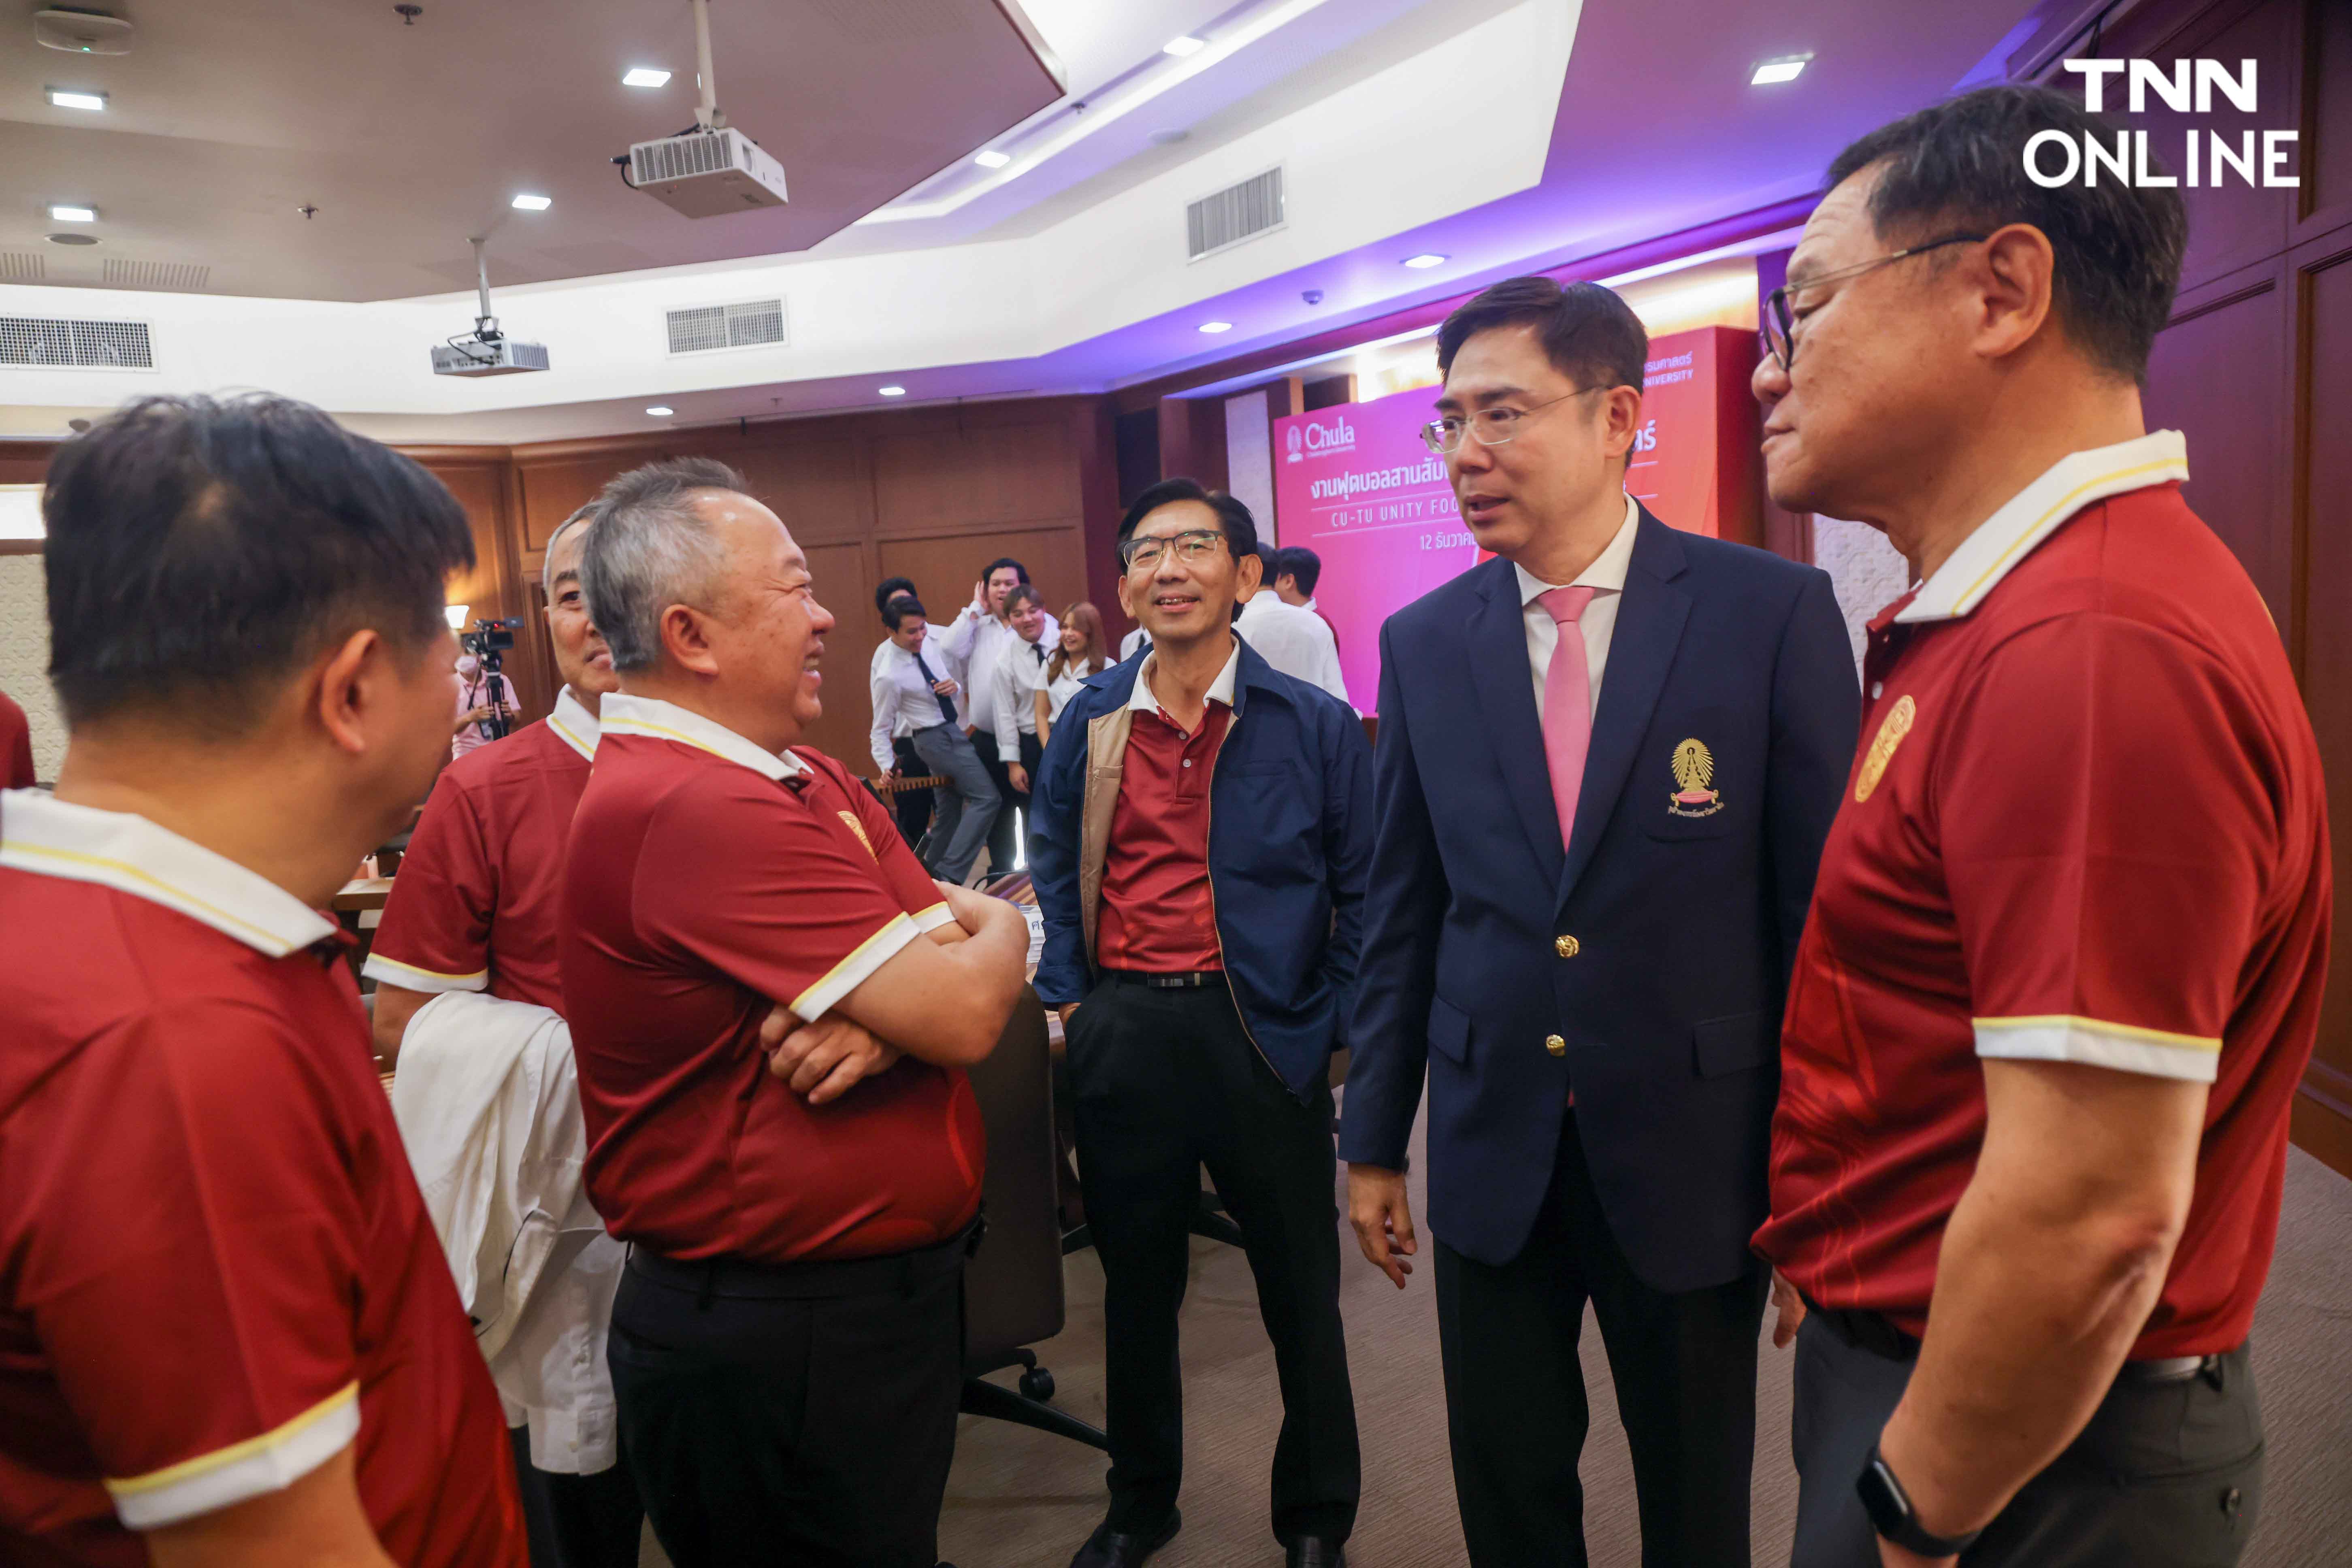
(229, 116)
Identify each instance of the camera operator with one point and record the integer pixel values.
(485, 696)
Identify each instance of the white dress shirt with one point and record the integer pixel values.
(1606, 578)
(974, 641)
(1299, 643)
(1020, 674)
(1130, 643)
(904, 701)
(1064, 686)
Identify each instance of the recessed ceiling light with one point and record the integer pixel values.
(645, 76)
(1426, 258)
(1180, 48)
(73, 215)
(991, 159)
(1771, 71)
(531, 203)
(891, 391)
(661, 411)
(70, 98)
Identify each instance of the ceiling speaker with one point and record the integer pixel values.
(79, 32)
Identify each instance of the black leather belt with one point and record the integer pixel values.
(1875, 1332)
(709, 1278)
(1191, 981)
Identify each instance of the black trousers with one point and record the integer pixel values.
(912, 806)
(2167, 1474)
(1164, 1083)
(1684, 1368)
(577, 1521)
(1002, 849)
(767, 1423)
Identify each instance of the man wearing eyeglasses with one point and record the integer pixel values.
(2063, 968)
(1607, 762)
(1203, 825)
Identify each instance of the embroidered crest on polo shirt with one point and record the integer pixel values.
(1896, 725)
(854, 826)
(1694, 769)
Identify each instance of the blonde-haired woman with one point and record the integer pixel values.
(1080, 652)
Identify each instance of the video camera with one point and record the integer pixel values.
(489, 642)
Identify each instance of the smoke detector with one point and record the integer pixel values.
(78, 32)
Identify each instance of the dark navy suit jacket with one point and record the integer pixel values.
(1684, 919)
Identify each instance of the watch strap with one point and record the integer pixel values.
(1889, 1507)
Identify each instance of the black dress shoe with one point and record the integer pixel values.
(1108, 1547)
(1315, 1551)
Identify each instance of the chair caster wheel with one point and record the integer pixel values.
(1037, 1383)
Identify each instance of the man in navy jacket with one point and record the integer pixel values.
(1607, 761)
(1202, 828)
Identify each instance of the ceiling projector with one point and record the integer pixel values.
(711, 169)
(486, 351)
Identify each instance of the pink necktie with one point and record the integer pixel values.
(1568, 705)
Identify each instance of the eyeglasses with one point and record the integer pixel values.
(1779, 328)
(1490, 427)
(1194, 546)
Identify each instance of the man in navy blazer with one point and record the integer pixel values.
(1607, 762)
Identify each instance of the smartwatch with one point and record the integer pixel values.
(1889, 1507)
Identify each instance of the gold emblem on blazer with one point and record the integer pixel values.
(1891, 732)
(1694, 769)
(858, 829)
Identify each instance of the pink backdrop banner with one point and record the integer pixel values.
(1354, 484)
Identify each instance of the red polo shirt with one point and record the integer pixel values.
(2089, 826)
(15, 746)
(1157, 913)
(215, 1272)
(704, 877)
(477, 901)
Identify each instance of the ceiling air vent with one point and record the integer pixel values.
(156, 274)
(87, 345)
(22, 267)
(1226, 217)
(753, 324)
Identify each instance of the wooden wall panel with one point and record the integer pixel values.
(2219, 375)
(2328, 135)
(946, 566)
(845, 585)
(958, 477)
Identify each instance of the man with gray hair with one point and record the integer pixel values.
(786, 1347)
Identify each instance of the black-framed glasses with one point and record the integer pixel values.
(1143, 552)
(1778, 326)
(1487, 427)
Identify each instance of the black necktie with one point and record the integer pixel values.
(947, 703)
(1039, 650)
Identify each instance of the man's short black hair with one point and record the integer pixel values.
(1959, 168)
(1301, 565)
(1020, 573)
(898, 609)
(1589, 335)
(201, 550)
(890, 589)
(1240, 526)
(1022, 594)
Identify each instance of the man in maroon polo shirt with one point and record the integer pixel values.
(787, 1344)
(228, 1334)
(2062, 967)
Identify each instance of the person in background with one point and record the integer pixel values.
(16, 745)
(1296, 570)
(1136, 640)
(483, 698)
(1295, 641)
(475, 908)
(1203, 825)
(233, 1341)
(912, 697)
(1077, 655)
(911, 808)
(787, 1346)
(2064, 964)
(1608, 758)
(1020, 675)
(974, 641)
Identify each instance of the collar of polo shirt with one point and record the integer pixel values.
(1219, 689)
(51, 837)
(574, 725)
(626, 715)
(2035, 513)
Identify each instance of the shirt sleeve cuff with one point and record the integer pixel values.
(2124, 1048)
(930, 920)
(853, 970)
(408, 977)
(271, 1462)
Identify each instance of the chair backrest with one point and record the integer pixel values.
(1013, 1288)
